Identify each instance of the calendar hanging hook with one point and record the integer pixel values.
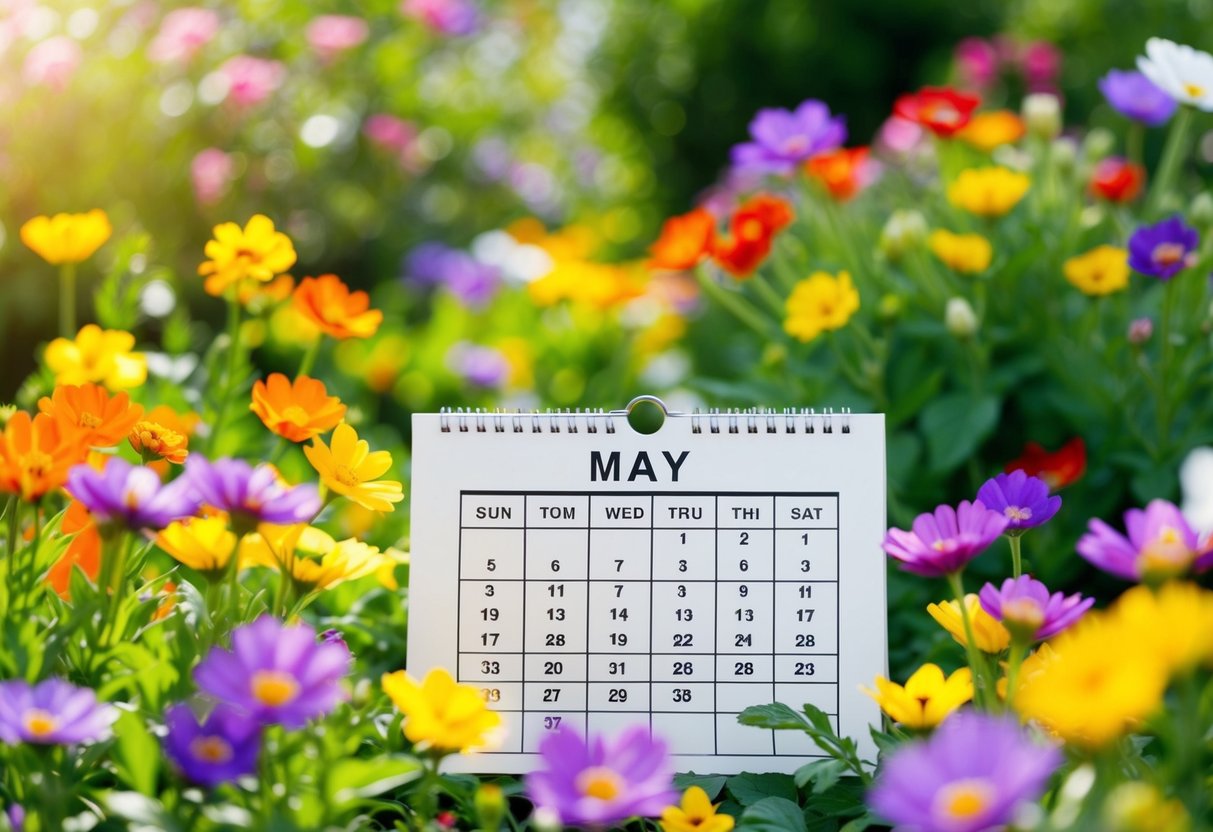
(627, 411)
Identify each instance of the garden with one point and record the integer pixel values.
(245, 243)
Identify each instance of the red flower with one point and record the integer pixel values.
(752, 228)
(942, 110)
(1117, 180)
(842, 171)
(684, 241)
(1058, 469)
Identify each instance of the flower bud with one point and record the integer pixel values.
(891, 307)
(960, 318)
(490, 804)
(1065, 155)
(545, 819)
(1098, 144)
(904, 231)
(1140, 330)
(1201, 210)
(1042, 115)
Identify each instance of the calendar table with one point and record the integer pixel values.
(672, 609)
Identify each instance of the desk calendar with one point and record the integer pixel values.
(582, 574)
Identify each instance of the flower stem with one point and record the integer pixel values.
(114, 582)
(1014, 663)
(1016, 555)
(976, 665)
(233, 367)
(309, 357)
(67, 300)
(736, 305)
(1172, 157)
(1164, 367)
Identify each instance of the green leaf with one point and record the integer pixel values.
(710, 783)
(859, 824)
(142, 812)
(136, 754)
(749, 789)
(350, 780)
(823, 774)
(819, 719)
(774, 814)
(776, 716)
(955, 425)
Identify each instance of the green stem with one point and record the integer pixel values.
(1016, 555)
(981, 694)
(734, 304)
(769, 295)
(1014, 663)
(116, 584)
(1164, 367)
(1172, 158)
(1134, 142)
(67, 300)
(233, 367)
(309, 357)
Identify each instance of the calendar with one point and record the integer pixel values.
(585, 575)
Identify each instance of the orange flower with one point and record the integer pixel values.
(329, 304)
(685, 240)
(989, 130)
(752, 228)
(35, 455)
(154, 441)
(101, 420)
(84, 550)
(298, 411)
(1060, 468)
(843, 171)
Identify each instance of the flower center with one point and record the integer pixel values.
(1019, 513)
(89, 420)
(295, 414)
(38, 463)
(274, 687)
(39, 723)
(1168, 254)
(344, 475)
(600, 782)
(941, 113)
(795, 146)
(1167, 554)
(211, 749)
(1194, 90)
(751, 230)
(964, 799)
(1023, 611)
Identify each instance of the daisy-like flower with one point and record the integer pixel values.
(696, 813)
(218, 749)
(782, 139)
(441, 713)
(1135, 96)
(53, 712)
(963, 253)
(329, 304)
(1184, 73)
(277, 674)
(1160, 544)
(258, 252)
(130, 496)
(942, 110)
(1164, 249)
(35, 455)
(311, 557)
(1100, 271)
(102, 420)
(989, 635)
(926, 699)
(752, 230)
(684, 242)
(103, 356)
(988, 192)
(942, 542)
(1024, 500)
(350, 468)
(202, 543)
(67, 238)
(250, 495)
(820, 303)
(1028, 611)
(299, 410)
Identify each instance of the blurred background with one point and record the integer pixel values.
(365, 129)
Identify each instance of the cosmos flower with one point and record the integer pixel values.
(101, 419)
(298, 410)
(258, 252)
(1024, 500)
(329, 304)
(130, 496)
(783, 139)
(53, 712)
(250, 495)
(1184, 73)
(218, 749)
(35, 455)
(441, 713)
(943, 541)
(1160, 544)
(1024, 606)
(1164, 249)
(926, 699)
(103, 356)
(820, 303)
(348, 467)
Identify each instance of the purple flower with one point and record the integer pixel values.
(971, 775)
(217, 750)
(1024, 606)
(448, 17)
(1164, 249)
(596, 782)
(130, 496)
(479, 366)
(275, 673)
(1160, 544)
(53, 712)
(1135, 96)
(16, 816)
(467, 278)
(1023, 500)
(250, 495)
(784, 138)
(942, 542)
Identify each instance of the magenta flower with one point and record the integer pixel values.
(1024, 606)
(331, 34)
(211, 173)
(250, 495)
(977, 62)
(1135, 96)
(183, 32)
(1164, 249)
(219, 749)
(447, 17)
(129, 496)
(782, 139)
(1160, 544)
(942, 542)
(53, 712)
(251, 80)
(275, 673)
(1023, 500)
(970, 776)
(597, 782)
(52, 63)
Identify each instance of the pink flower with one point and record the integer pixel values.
(449, 17)
(52, 63)
(977, 62)
(389, 133)
(1041, 62)
(252, 80)
(211, 171)
(183, 32)
(332, 34)
(900, 135)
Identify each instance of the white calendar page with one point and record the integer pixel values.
(601, 579)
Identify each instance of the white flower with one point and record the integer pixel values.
(1042, 115)
(960, 318)
(1184, 73)
(1196, 480)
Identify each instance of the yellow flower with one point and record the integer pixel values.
(152, 441)
(312, 557)
(202, 543)
(820, 303)
(1176, 621)
(97, 355)
(986, 131)
(348, 467)
(256, 252)
(1098, 680)
(927, 697)
(988, 192)
(1101, 271)
(988, 631)
(67, 238)
(440, 713)
(964, 253)
(1141, 807)
(696, 814)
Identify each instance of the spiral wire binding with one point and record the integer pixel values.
(751, 420)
